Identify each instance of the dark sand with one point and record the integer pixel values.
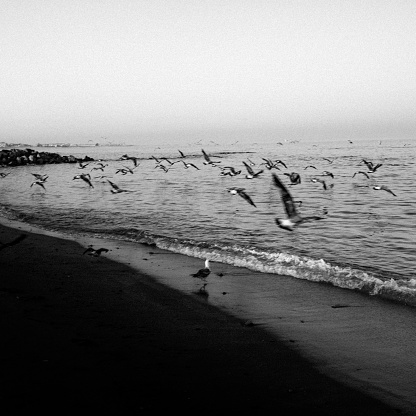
(81, 336)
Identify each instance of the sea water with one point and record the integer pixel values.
(365, 241)
(326, 287)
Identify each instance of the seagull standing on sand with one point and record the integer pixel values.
(203, 273)
(293, 218)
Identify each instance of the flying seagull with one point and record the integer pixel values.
(208, 160)
(293, 218)
(251, 174)
(115, 189)
(85, 177)
(242, 193)
(40, 177)
(294, 178)
(371, 167)
(188, 165)
(40, 183)
(363, 173)
(203, 273)
(384, 188)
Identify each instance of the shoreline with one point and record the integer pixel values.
(88, 333)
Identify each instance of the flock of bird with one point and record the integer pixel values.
(292, 220)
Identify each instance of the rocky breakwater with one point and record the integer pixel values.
(20, 157)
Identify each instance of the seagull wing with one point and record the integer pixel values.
(249, 169)
(113, 184)
(206, 156)
(286, 198)
(246, 197)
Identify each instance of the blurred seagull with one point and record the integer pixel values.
(242, 193)
(81, 165)
(384, 188)
(92, 252)
(327, 173)
(293, 218)
(188, 165)
(85, 177)
(363, 173)
(4, 174)
(115, 189)
(251, 174)
(294, 178)
(231, 171)
(208, 160)
(281, 162)
(203, 273)
(181, 153)
(371, 167)
(310, 166)
(40, 177)
(321, 181)
(40, 183)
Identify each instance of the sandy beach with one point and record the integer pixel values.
(82, 334)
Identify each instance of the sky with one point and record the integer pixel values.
(135, 71)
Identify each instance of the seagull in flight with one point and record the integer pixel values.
(86, 177)
(40, 177)
(208, 160)
(39, 182)
(294, 178)
(243, 194)
(363, 173)
(251, 174)
(181, 153)
(384, 188)
(115, 189)
(371, 166)
(324, 185)
(81, 165)
(188, 165)
(203, 273)
(293, 218)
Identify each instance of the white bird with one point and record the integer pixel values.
(293, 218)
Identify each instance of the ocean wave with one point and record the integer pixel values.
(300, 267)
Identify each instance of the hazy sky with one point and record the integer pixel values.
(130, 70)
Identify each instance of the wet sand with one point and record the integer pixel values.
(83, 334)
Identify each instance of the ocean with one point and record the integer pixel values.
(341, 290)
(365, 241)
